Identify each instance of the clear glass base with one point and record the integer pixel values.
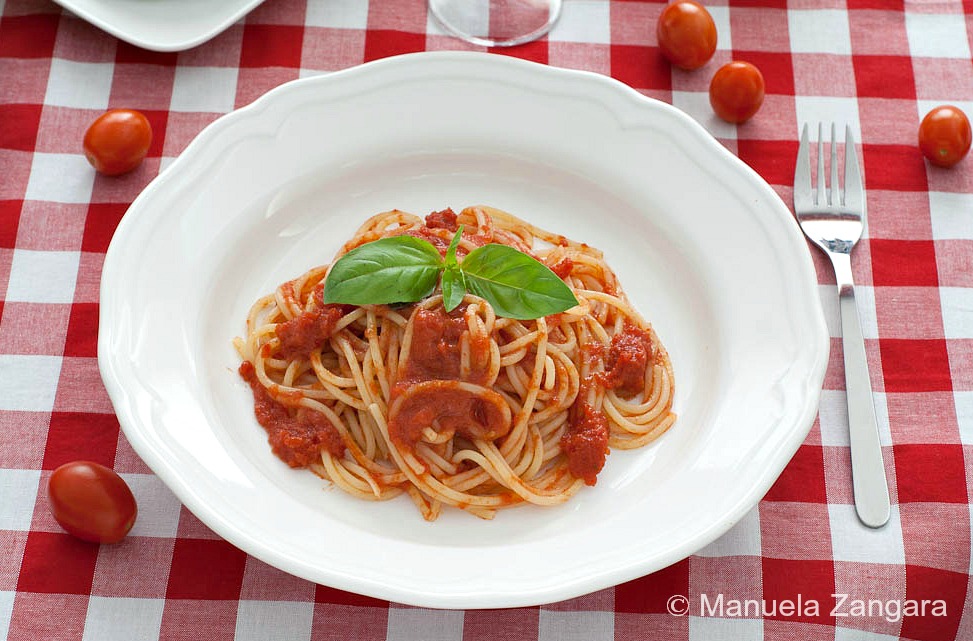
(496, 23)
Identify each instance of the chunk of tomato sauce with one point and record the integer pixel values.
(629, 355)
(307, 331)
(296, 436)
(435, 349)
(585, 442)
(454, 409)
(444, 219)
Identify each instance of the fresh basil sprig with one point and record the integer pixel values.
(404, 269)
(398, 269)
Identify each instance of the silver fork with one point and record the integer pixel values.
(833, 222)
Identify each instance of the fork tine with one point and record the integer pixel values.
(854, 190)
(820, 193)
(834, 195)
(802, 174)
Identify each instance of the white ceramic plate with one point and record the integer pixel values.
(161, 25)
(705, 248)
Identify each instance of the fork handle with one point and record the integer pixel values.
(867, 466)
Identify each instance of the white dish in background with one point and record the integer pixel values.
(161, 25)
(704, 247)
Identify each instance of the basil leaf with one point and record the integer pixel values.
(516, 285)
(451, 250)
(398, 269)
(453, 288)
(452, 282)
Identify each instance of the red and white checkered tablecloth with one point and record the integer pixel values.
(876, 64)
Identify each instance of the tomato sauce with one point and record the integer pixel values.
(435, 350)
(304, 333)
(296, 436)
(445, 219)
(629, 354)
(475, 415)
(430, 383)
(585, 442)
(563, 267)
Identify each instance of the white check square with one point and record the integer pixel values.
(337, 14)
(806, 27)
(711, 628)
(853, 541)
(81, 85)
(60, 178)
(583, 21)
(407, 624)
(29, 382)
(697, 105)
(854, 634)
(950, 215)
(743, 539)
(43, 276)
(964, 416)
(957, 304)
(123, 619)
(937, 35)
(163, 519)
(6, 597)
(261, 620)
(575, 626)
(204, 89)
(833, 418)
(18, 493)
(842, 111)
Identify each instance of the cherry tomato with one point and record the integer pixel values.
(736, 91)
(944, 136)
(92, 502)
(687, 34)
(117, 141)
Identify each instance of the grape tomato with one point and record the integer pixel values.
(686, 34)
(92, 502)
(736, 91)
(117, 141)
(945, 136)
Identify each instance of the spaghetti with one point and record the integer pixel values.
(461, 408)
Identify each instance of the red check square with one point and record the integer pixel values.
(100, 224)
(324, 594)
(915, 365)
(206, 569)
(30, 36)
(271, 46)
(930, 473)
(82, 335)
(793, 588)
(641, 68)
(894, 167)
(904, 263)
(803, 479)
(651, 594)
(76, 436)
(945, 594)
(56, 562)
(18, 125)
(9, 222)
(772, 159)
(885, 77)
(382, 43)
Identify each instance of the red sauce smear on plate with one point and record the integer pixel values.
(297, 436)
